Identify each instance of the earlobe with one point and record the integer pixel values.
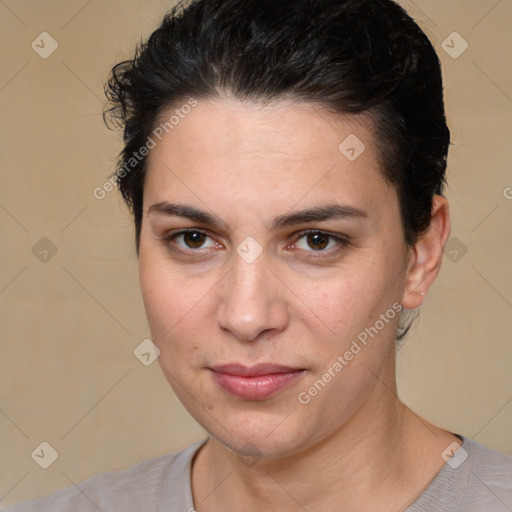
(426, 255)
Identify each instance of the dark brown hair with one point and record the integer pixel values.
(347, 56)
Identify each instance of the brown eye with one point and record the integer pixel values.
(317, 241)
(190, 242)
(320, 241)
(194, 239)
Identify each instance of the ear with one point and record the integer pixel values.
(426, 254)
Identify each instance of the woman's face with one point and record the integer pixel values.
(272, 266)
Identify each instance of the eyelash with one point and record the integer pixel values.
(342, 242)
(168, 240)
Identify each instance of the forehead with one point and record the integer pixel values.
(287, 128)
(275, 153)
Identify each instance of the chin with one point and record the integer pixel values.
(259, 435)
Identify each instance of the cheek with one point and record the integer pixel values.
(172, 301)
(176, 319)
(350, 299)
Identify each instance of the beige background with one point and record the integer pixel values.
(68, 374)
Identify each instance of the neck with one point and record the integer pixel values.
(385, 455)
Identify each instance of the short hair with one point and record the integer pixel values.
(348, 56)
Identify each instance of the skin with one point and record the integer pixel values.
(295, 305)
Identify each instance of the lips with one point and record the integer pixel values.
(256, 382)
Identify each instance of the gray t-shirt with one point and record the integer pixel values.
(474, 479)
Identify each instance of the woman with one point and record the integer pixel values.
(284, 162)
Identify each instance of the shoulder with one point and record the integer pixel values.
(474, 479)
(491, 474)
(144, 486)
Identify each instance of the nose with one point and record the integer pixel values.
(253, 300)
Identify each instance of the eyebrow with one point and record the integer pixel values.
(188, 212)
(309, 215)
(319, 213)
